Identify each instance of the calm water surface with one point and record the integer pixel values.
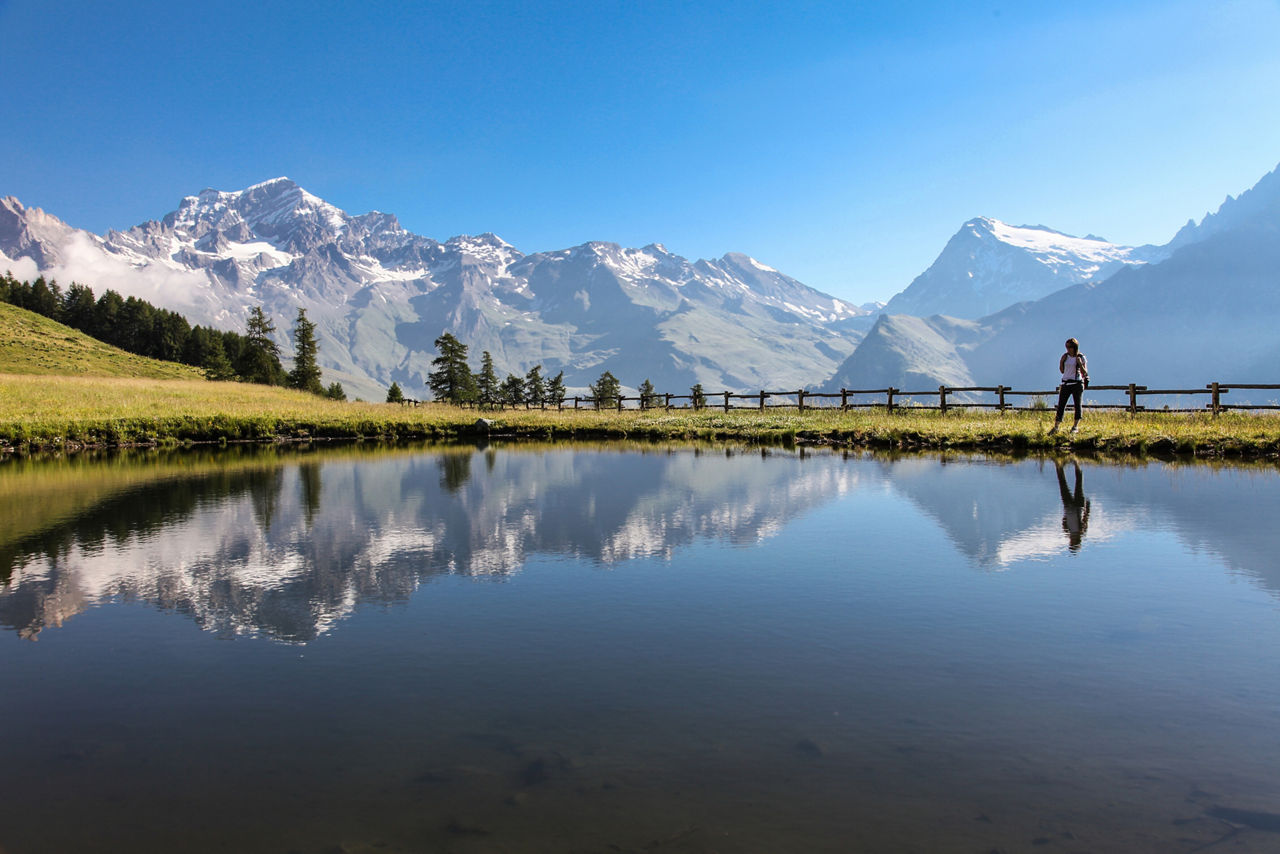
(581, 650)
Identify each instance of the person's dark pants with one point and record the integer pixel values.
(1073, 389)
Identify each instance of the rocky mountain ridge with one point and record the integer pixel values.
(380, 295)
(1204, 307)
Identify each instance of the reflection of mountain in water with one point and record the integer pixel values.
(1000, 512)
(288, 550)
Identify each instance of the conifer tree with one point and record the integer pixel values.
(306, 373)
(605, 390)
(451, 381)
(697, 398)
(487, 388)
(335, 391)
(646, 394)
(215, 362)
(513, 391)
(555, 390)
(535, 387)
(260, 358)
(394, 394)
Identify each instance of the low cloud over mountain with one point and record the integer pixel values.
(381, 295)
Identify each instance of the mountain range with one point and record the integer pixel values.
(380, 295)
(1203, 307)
(993, 308)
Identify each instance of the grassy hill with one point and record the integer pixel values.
(33, 344)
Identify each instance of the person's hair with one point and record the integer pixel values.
(1071, 342)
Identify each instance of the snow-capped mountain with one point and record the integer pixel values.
(381, 295)
(989, 265)
(1206, 311)
(288, 551)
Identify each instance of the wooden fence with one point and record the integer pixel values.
(891, 399)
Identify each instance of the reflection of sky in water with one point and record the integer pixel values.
(688, 652)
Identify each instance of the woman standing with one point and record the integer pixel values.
(1075, 379)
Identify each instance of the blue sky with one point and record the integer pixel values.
(842, 143)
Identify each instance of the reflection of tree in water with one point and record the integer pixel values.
(125, 516)
(309, 480)
(1075, 507)
(244, 550)
(455, 470)
(264, 488)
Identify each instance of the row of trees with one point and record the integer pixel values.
(137, 326)
(451, 380)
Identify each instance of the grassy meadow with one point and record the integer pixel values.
(33, 344)
(43, 412)
(60, 389)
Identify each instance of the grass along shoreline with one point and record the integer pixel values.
(41, 413)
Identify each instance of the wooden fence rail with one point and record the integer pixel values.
(802, 399)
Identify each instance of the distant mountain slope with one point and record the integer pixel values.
(1209, 311)
(33, 344)
(381, 295)
(989, 265)
(909, 353)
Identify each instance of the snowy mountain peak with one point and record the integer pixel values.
(989, 265)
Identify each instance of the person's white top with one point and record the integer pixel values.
(1073, 367)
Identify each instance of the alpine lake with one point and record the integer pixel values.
(636, 648)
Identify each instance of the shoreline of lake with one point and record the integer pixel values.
(41, 414)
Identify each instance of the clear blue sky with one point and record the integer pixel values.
(842, 143)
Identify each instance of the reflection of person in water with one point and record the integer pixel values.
(1075, 507)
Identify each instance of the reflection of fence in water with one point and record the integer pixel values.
(999, 397)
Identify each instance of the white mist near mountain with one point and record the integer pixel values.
(381, 295)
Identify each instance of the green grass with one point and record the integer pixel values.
(33, 344)
(59, 411)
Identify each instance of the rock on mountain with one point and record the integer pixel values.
(381, 295)
(1206, 312)
(989, 265)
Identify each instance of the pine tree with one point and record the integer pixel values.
(555, 390)
(605, 391)
(260, 358)
(335, 391)
(535, 387)
(451, 381)
(77, 307)
(646, 394)
(394, 394)
(697, 398)
(513, 391)
(487, 382)
(215, 362)
(306, 373)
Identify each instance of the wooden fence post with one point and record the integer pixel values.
(1000, 390)
(800, 399)
(844, 400)
(762, 400)
(620, 403)
(1133, 399)
(942, 399)
(726, 401)
(575, 401)
(668, 400)
(892, 392)
(1217, 399)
